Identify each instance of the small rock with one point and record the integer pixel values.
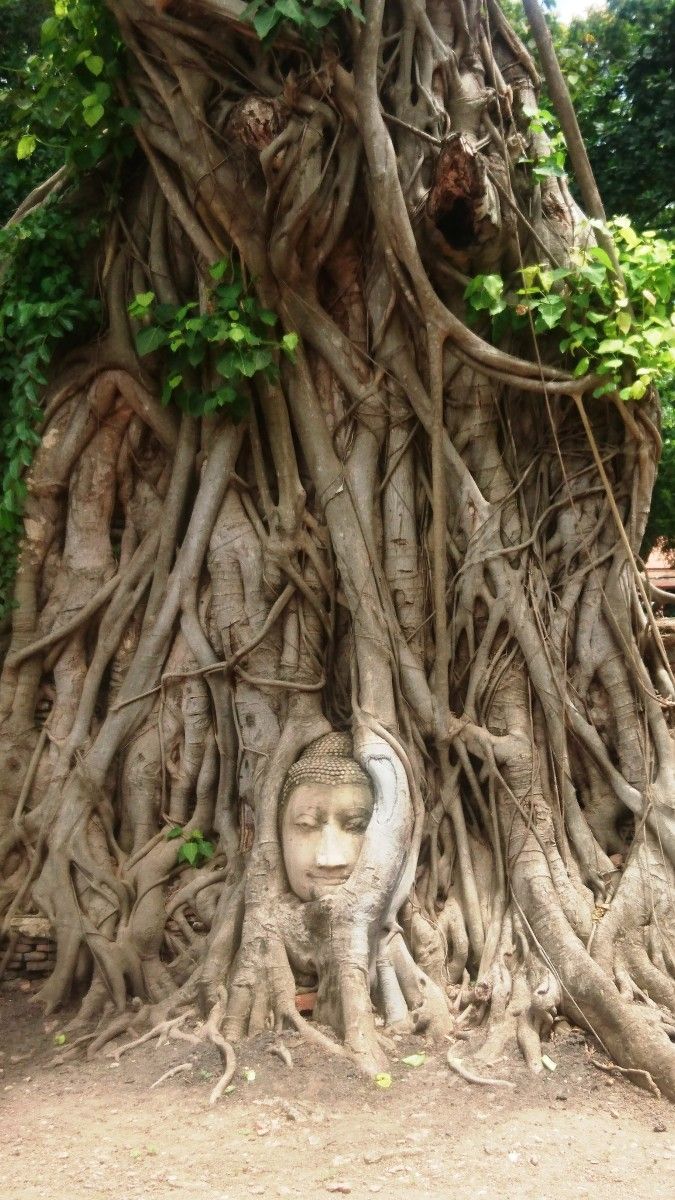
(660, 1127)
(373, 1156)
(513, 1156)
(343, 1188)
(375, 1187)
(534, 1160)
(613, 1112)
(561, 1096)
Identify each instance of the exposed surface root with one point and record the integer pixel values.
(459, 1068)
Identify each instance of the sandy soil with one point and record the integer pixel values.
(96, 1130)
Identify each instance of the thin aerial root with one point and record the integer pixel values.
(155, 1032)
(186, 1066)
(458, 1067)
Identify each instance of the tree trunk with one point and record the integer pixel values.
(411, 535)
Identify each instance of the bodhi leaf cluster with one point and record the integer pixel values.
(626, 337)
(209, 356)
(43, 302)
(308, 17)
(195, 849)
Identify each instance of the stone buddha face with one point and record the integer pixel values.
(327, 804)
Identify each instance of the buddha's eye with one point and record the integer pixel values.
(305, 825)
(357, 825)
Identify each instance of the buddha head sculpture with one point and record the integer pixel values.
(326, 804)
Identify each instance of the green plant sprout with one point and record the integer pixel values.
(195, 850)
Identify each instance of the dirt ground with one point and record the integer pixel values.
(97, 1130)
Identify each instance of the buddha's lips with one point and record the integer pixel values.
(330, 880)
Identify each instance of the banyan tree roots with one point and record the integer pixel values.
(413, 535)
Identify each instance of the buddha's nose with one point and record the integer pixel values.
(331, 851)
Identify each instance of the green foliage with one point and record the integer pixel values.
(232, 339)
(63, 100)
(195, 850)
(619, 62)
(628, 339)
(19, 37)
(661, 523)
(543, 121)
(43, 302)
(309, 17)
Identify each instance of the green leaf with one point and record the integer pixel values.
(150, 339)
(49, 30)
(289, 342)
(290, 9)
(92, 114)
(382, 1080)
(602, 256)
(176, 832)
(60, 1039)
(267, 316)
(551, 309)
(142, 301)
(414, 1060)
(25, 146)
(582, 367)
(265, 20)
(94, 63)
(218, 269)
(189, 853)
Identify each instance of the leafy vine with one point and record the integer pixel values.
(43, 301)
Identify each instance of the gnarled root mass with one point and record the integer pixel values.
(413, 535)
